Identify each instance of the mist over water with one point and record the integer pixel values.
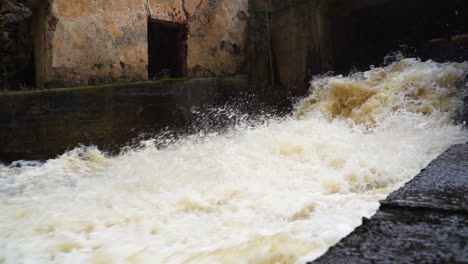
(281, 191)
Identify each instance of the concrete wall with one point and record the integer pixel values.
(290, 41)
(45, 123)
(294, 42)
(89, 41)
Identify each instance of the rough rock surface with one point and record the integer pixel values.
(442, 185)
(426, 221)
(15, 41)
(404, 236)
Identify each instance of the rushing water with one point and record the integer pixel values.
(279, 192)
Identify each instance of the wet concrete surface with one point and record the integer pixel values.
(426, 221)
(41, 124)
(442, 185)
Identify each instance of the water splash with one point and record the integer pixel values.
(280, 191)
(407, 85)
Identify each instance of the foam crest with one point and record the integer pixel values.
(408, 85)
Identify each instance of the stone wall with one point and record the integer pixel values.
(217, 32)
(15, 44)
(89, 42)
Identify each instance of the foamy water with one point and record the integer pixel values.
(281, 192)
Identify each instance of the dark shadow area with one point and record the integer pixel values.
(26, 76)
(17, 51)
(428, 29)
(38, 125)
(289, 42)
(167, 50)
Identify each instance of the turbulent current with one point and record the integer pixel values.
(282, 191)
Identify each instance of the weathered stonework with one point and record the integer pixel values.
(88, 41)
(15, 43)
(216, 37)
(95, 42)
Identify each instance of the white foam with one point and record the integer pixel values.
(277, 193)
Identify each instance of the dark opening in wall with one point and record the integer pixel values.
(361, 33)
(27, 72)
(167, 50)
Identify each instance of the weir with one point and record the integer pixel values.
(42, 124)
(308, 120)
(275, 190)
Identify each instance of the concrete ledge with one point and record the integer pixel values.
(442, 185)
(45, 123)
(426, 221)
